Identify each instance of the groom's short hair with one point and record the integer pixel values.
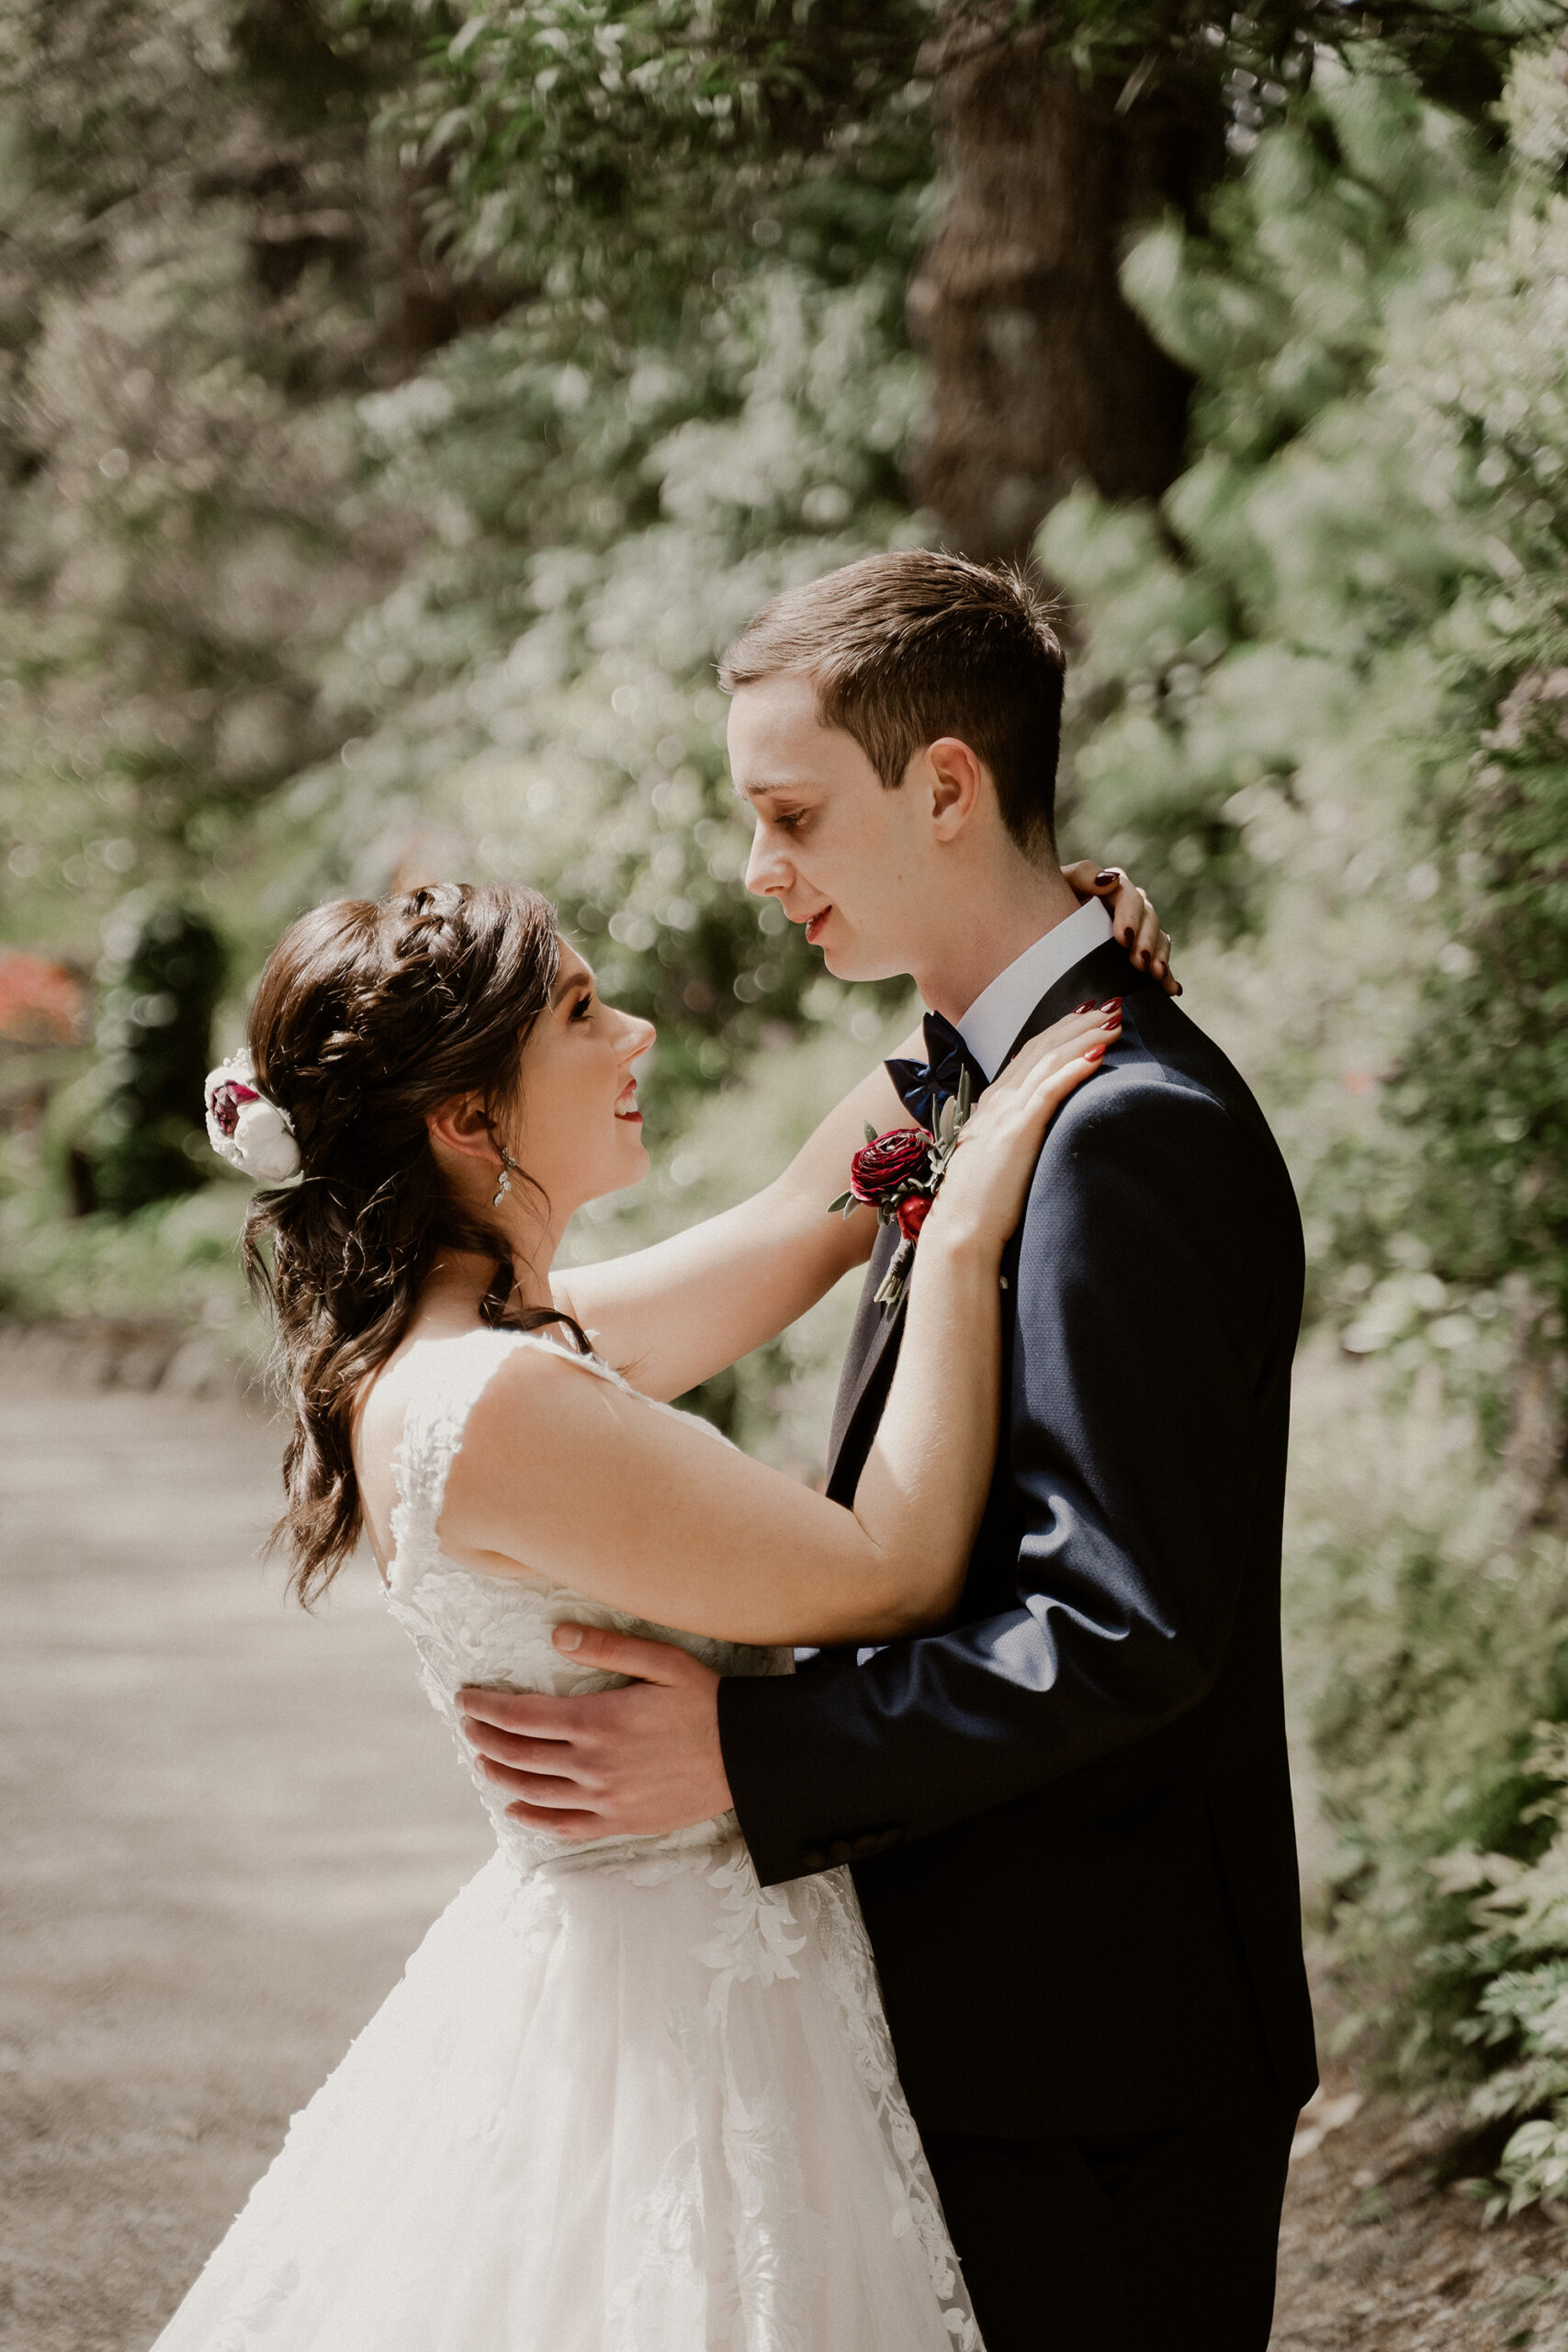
(904, 647)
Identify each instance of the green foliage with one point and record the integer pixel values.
(1517, 1945)
(172, 1263)
(1453, 50)
(174, 338)
(160, 981)
(545, 706)
(577, 142)
(1323, 692)
(621, 154)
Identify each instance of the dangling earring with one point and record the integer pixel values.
(509, 1169)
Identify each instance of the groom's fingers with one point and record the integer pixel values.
(511, 1753)
(531, 1713)
(542, 1789)
(559, 1824)
(611, 1653)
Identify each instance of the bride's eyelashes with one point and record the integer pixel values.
(582, 1006)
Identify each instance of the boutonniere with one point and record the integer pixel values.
(899, 1175)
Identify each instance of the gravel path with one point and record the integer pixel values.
(226, 1826)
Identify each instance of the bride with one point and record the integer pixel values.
(623, 2099)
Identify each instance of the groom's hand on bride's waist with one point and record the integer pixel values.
(633, 1762)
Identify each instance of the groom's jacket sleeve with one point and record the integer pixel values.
(1157, 1290)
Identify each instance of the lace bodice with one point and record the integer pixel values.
(469, 1627)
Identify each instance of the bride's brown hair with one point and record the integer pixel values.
(369, 1014)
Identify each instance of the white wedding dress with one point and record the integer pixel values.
(625, 2099)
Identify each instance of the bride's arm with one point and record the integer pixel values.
(674, 1314)
(564, 1476)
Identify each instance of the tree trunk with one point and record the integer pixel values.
(1042, 377)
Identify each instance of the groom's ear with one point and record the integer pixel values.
(957, 780)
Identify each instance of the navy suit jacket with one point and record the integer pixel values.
(1069, 1808)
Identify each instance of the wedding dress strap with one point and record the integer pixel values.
(448, 1383)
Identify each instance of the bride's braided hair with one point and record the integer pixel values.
(369, 1014)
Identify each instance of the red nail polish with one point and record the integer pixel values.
(1092, 1052)
(1088, 1006)
(1104, 878)
(1112, 1004)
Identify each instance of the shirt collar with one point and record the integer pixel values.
(1000, 1011)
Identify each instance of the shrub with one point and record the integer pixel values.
(1323, 688)
(161, 979)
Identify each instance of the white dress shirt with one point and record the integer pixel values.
(1000, 1011)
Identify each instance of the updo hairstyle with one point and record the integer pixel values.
(369, 1014)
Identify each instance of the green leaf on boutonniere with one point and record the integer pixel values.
(947, 1125)
(965, 1096)
(870, 1132)
(846, 1201)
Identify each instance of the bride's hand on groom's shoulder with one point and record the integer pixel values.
(1134, 918)
(986, 1182)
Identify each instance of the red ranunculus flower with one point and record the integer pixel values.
(226, 1102)
(912, 1214)
(878, 1169)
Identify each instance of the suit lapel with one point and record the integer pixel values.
(1106, 972)
(869, 1340)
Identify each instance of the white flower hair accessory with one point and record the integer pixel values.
(247, 1129)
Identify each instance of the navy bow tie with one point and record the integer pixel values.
(924, 1087)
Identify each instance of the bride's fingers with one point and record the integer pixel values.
(1132, 918)
(1150, 947)
(1038, 1080)
(1137, 925)
(1087, 879)
(1129, 914)
(1053, 1087)
(1019, 1128)
(1057, 1045)
(992, 1169)
(1125, 901)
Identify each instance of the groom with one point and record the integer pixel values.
(1069, 1814)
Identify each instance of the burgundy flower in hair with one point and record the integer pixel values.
(224, 1103)
(247, 1129)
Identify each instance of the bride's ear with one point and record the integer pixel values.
(462, 1128)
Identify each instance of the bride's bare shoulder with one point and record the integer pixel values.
(543, 1385)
